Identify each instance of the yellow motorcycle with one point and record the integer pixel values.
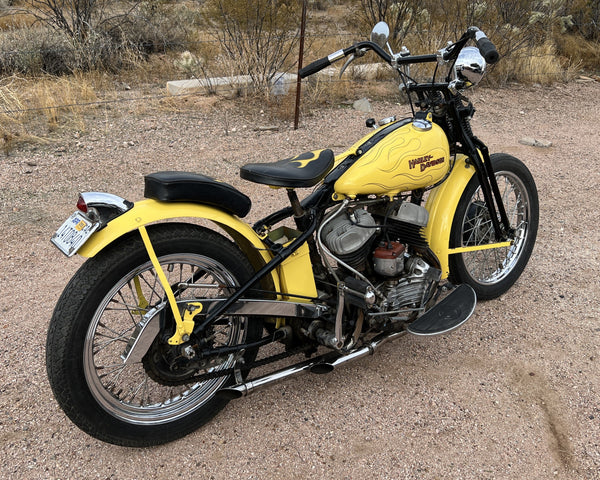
(402, 233)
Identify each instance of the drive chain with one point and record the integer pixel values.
(258, 363)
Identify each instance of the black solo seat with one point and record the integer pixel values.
(196, 188)
(304, 170)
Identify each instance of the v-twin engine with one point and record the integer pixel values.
(382, 245)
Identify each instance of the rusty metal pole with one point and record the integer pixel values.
(300, 55)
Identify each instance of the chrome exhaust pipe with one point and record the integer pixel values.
(322, 364)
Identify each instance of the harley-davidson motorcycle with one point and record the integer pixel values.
(168, 320)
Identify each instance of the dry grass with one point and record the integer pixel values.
(541, 65)
(10, 117)
(58, 97)
(580, 51)
(56, 100)
(16, 20)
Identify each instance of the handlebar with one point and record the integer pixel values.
(324, 62)
(485, 46)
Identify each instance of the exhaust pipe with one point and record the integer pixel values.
(323, 364)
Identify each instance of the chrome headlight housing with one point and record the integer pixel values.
(469, 66)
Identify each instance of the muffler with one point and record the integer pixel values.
(323, 364)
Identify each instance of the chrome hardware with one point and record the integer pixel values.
(322, 364)
(104, 207)
(385, 121)
(143, 335)
(339, 315)
(421, 124)
(188, 352)
(108, 200)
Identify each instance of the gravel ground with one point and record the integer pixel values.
(513, 394)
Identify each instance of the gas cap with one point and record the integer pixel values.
(421, 124)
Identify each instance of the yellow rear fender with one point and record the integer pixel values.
(150, 211)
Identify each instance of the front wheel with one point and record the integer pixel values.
(164, 396)
(492, 272)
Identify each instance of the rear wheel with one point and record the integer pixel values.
(160, 398)
(492, 272)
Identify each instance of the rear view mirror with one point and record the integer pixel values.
(380, 34)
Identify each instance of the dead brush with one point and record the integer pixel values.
(11, 113)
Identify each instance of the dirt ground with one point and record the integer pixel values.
(514, 394)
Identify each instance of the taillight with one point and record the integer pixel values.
(81, 205)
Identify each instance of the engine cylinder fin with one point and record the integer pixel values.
(407, 233)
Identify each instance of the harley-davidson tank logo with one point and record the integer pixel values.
(424, 162)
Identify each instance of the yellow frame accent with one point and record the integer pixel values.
(184, 327)
(477, 248)
(142, 302)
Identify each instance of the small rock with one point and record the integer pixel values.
(533, 142)
(267, 128)
(362, 105)
(584, 79)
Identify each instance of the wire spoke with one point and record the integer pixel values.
(137, 390)
(489, 266)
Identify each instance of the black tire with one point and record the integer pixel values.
(492, 272)
(138, 404)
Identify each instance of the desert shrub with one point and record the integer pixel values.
(75, 18)
(555, 34)
(154, 26)
(40, 50)
(257, 37)
(28, 51)
(401, 16)
(579, 51)
(80, 35)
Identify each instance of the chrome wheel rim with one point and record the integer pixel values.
(491, 266)
(126, 391)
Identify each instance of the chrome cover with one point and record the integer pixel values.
(108, 200)
(104, 207)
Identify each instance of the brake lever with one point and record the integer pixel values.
(348, 62)
(359, 52)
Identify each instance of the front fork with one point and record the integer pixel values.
(479, 157)
(490, 189)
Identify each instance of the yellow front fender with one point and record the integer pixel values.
(441, 205)
(151, 211)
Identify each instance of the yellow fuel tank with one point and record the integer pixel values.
(399, 157)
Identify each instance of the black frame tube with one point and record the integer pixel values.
(277, 260)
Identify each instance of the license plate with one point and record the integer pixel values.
(73, 233)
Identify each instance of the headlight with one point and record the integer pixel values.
(469, 66)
